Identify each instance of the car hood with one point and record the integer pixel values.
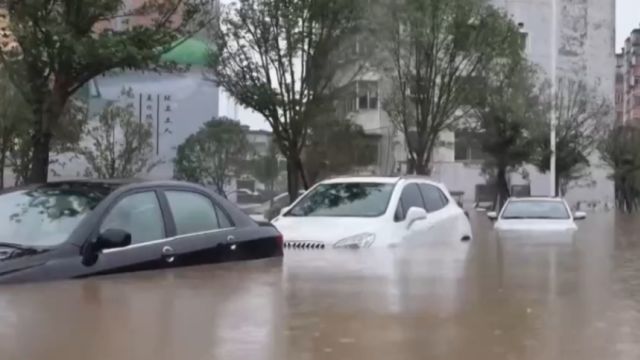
(535, 225)
(325, 230)
(10, 265)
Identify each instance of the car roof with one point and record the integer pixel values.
(378, 179)
(108, 185)
(536, 198)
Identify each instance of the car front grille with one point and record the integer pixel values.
(304, 245)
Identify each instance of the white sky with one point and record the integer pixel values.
(627, 19)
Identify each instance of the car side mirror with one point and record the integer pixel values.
(415, 214)
(113, 239)
(492, 215)
(580, 215)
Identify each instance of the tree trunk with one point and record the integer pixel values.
(47, 114)
(4, 148)
(303, 175)
(3, 161)
(293, 177)
(502, 188)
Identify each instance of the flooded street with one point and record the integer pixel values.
(487, 300)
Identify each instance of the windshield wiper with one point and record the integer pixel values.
(15, 246)
(18, 250)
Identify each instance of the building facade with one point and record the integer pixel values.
(585, 39)
(627, 93)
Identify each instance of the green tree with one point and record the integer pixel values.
(266, 168)
(117, 145)
(509, 113)
(214, 155)
(337, 147)
(431, 50)
(281, 58)
(580, 112)
(62, 50)
(619, 147)
(19, 151)
(14, 114)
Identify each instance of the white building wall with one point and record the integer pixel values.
(586, 50)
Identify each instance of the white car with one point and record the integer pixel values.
(363, 212)
(535, 215)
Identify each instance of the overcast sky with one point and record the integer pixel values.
(628, 18)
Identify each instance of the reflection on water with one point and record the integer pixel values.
(491, 299)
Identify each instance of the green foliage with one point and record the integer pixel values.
(432, 50)
(338, 147)
(62, 50)
(280, 58)
(619, 148)
(213, 155)
(14, 116)
(509, 111)
(267, 168)
(117, 145)
(580, 112)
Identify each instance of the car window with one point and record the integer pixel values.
(223, 219)
(350, 199)
(535, 209)
(140, 215)
(433, 197)
(45, 216)
(411, 197)
(192, 212)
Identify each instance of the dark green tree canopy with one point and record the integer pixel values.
(214, 155)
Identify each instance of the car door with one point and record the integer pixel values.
(203, 232)
(420, 230)
(436, 202)
(140, 214)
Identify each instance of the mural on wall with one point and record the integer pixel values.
(156, 109)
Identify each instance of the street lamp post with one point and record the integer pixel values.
(553, 120)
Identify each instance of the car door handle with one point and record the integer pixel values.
(168, 254)
(231, 238)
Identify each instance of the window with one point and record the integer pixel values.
(433, 197)
(192, 212)
(367, 95)
(524, 39)
(636, 100)
(411, 197)
(140, 215)
(467, 147)
(345, 200)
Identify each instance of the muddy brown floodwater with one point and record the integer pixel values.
(488, 300)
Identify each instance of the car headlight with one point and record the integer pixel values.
(360, 241)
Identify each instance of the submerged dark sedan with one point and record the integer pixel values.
(77, 229)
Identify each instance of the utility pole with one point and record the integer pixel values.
(554, 80)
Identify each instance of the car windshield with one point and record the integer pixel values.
(345, 200)
(536, 209)
(44, 217)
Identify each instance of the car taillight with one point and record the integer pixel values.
(280, 241)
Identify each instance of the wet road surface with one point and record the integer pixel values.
(489, 300)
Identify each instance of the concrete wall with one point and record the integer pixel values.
(176, 106)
